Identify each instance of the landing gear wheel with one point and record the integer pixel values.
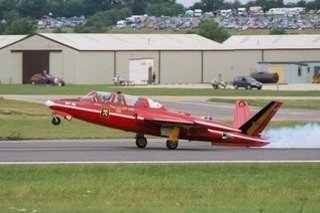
(172, 144)
(56, 121)
(247, 145)
(141, 142)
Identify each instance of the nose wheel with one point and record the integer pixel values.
(56, 120)
(172, 145)
(141, 141)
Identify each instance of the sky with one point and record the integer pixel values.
(187, 3)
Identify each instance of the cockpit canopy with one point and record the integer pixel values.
(119, 99)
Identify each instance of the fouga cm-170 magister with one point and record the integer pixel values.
(147, 117)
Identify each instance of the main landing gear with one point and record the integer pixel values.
(141, 141)
(55, 120)
(172, 142)
(172, 145)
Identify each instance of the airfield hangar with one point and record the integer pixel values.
(174, 58)
(97, 58)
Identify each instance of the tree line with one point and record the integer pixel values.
(68, 8)
(20, 14)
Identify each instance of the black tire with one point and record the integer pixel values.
(259, 88)
(172, 145)
(56, 121)
(141, 142)
(247, 145)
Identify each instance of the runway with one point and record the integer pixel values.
(124, 151)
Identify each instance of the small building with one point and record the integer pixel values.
(290, 72)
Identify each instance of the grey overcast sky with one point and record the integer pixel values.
(187, 3)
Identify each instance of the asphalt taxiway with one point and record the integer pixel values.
(124, 151)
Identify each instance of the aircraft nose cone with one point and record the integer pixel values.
(49, 103)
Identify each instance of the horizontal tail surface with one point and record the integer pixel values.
(255, 125)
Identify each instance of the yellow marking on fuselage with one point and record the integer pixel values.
(104, 112)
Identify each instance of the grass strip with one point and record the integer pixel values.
(18, 89)
(293, 104)
(161, 188)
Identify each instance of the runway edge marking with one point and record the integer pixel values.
(157, 162)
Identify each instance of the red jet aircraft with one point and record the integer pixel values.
(147, 117)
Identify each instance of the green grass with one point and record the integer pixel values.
(23, 120)
(83, 89)
(294, 104)
(161, 188)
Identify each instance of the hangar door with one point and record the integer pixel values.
(140, 71)
(34, 62)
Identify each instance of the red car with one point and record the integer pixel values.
(47, 79)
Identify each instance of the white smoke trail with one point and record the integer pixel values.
(300, 136)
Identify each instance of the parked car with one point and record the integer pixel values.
(265, 77)
(47, 79)
(247, 82)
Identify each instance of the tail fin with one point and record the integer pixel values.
(241, 114)
(259, 121)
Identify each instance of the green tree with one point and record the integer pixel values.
(73, 8)
(11, 16)
(138, 7)
(101, 21)
(32, 8)
(21, 26)
(209, 5)
(211, 30)
(56, 7)
(166, 9)
(6, 5)
(92, 6)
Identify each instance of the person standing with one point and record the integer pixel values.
(153, 78)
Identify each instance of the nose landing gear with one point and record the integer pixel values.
(56, 120)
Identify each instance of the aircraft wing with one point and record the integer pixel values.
(214, 126)
(164, 119)
(181, 121)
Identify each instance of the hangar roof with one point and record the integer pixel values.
(247, 42)
(101, 42)
(6, 40)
